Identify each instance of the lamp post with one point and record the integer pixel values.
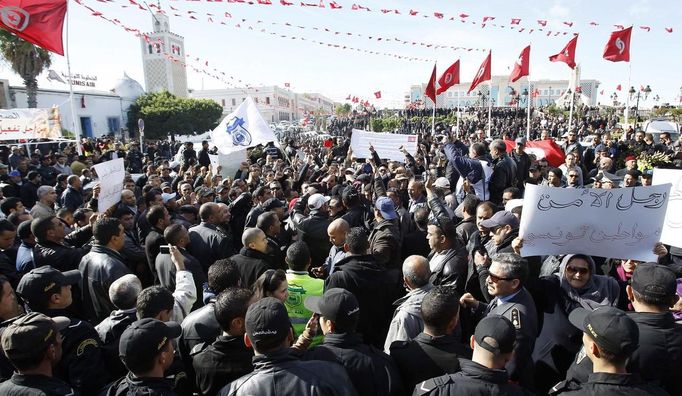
(570, 112)
(526, 100)
(634, 93)
(614, 98)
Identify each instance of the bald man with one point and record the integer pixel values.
(129, 201)
(407, 320)
(337, 231)
(252, 260)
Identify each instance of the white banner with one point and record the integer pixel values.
(229, 163)
(621, 223)
(110, 175)
(243, 128)
(672, 227)
(17, 124)
(385, 144)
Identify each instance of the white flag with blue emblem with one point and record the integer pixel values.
(242, 128)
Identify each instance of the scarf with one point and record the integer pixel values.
(599, 291)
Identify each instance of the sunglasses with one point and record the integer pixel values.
(573, 270)
(494, 278)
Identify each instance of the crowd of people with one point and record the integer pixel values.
(313, 272)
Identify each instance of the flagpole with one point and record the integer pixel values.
(76, 129)
(490, 104)
(627, 96)
(459, 113)
(528, 104)
(433, 119)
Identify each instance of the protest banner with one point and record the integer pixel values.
(672, 226)
(242, 128)
(18, 124)
(229, 163)
(621, 223)
(386, 144)
(110, 174)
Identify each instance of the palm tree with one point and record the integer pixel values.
(27, 60)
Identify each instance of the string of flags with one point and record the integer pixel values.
(242, 24)
(523, 24)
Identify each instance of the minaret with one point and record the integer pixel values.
(161, 73)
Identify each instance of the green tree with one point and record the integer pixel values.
(344, 109)
(27, 60)
(164, 113)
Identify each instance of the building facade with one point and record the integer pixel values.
(275, 104)
(504, 93)
(161, 73)
(98, 113)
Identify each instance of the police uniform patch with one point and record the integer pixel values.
(84, 344)
(516, 318)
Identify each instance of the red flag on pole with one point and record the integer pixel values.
(618, 47)
(431, 88)
(618, 88)
(449, 78)
(521, 66)
(377, 94)
(567, 55)
(543, 149)
(39, 22)
(483, 73)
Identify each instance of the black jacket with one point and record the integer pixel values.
(251, 264)
(313, 231)
(451, 269)
(413, 243)
(200, 326)
(99, 269)
(372, 286)
(82, 364)
(29, 194)
(166, 271)
(281, 373)
(110, 330)
(218, 364)
(523, 163)
(504, 175)
(384, 244)
(207, 244)
(60, 256)
(473, 380)
(427, 357)
(152, 244)
(35, 385)
(8, 268)
(658, 358)
(134, 386)
(609, 384)
(371, 371)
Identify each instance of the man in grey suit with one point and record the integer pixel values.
(505, 280)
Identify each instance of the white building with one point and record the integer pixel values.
(98, 113)
(161, 73)
(548, 92)
(274, 103)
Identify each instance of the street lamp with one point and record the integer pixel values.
(632, 91)
(614, 98)
(656, 99)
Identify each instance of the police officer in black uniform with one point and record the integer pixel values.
(48, 291)
(610, 337)
(485, 374)
(33, 344)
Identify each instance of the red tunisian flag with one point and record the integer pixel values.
(431, 88)
(547, 149)
(377, 94)
(483, 73)
(618, 47)
(567, 55)
(521, 66)
(449, 78)
(37, 21)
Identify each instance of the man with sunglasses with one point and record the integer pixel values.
(504, 281)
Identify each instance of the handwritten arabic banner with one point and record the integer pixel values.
(617, 223)
(17, 124)
(672, 227)
(111, 175)
(385, 144)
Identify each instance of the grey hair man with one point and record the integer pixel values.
(47, 196)
(407, 320)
